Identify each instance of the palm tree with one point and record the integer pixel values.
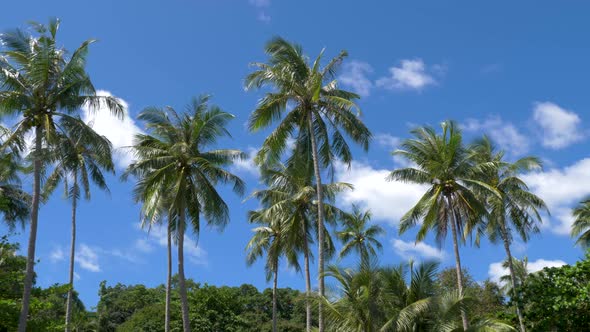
(357, 235)
(81, 155)
(153, 213)
(291, 196)
(447, 168)
(173, 157)
(516, 209)
(14, 202)
(401, 298)
(41, 83)
(271, 238)
(581, 225)
(521, 272)
(313, 109)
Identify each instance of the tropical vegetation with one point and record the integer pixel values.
(470, 190)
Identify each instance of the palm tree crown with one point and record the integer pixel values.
(581, 225)
(359, 236)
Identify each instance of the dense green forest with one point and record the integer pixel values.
(473, 191)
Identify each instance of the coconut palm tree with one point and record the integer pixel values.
(445, 166)
(521, 272)
(155, 213)
(581, 225)
(291, 196)
(359, 236)
(81, 157)
(402, 298)
(318, 115)
(515, 210)
(173, 157)
(271, 238)
(42, 83)
(14, 202)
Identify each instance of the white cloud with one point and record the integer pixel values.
(411, 250)
(560, 127)
(247, 165)
(57, 254)
(561, 189)
(261, 5)
(354, 74)
(194, 253)
(87, 258)
(388, 201)
(496, 270)
(119, 132)
(143, 245)
(505, 134)
(410, 75)
(388, 141)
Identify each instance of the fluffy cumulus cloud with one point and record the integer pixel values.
(496, 270)
(409, 75)
(559, 127)
(119, 132)
(247, 166)
(505, 134)
(388, 201)
(561, 188)
(387, 141)
(411, 250)
(87, 258)
(355, 75)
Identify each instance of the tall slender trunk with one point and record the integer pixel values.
(318, 180)
(28, 282)
(514, 295)
(72, 253)
(181, 281)
(458, 267)
(307, 280)
(169, 276)
(274, 297)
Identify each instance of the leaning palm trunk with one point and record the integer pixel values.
(318, 180)
(72, 254)
(514, 294)
(169, 276)
(458, 268)
(181, 282)
(28, 283)
(307, 283)
(274, 298)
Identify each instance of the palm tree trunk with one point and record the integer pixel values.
(318, 180)
(512, 278)
(181, 281)
(307, 281)
(28, 282)
(274, 298)
(72, 253)
(169, 276)
(458, 268)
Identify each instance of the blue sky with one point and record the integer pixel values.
(515, 70)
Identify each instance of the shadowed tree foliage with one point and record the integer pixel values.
(14, 202)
